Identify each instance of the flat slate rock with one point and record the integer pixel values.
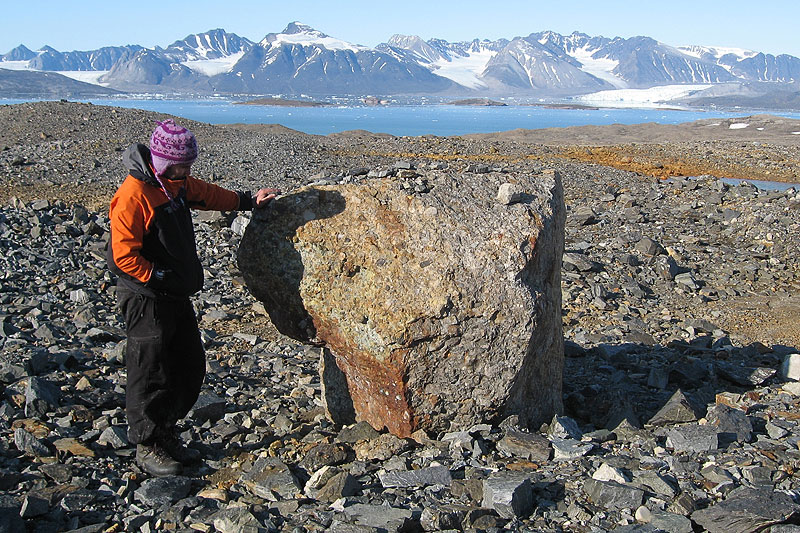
(611, 495)
(433, 475)
(531, 446)
(269, 477)
(166, 490)
(747, 510)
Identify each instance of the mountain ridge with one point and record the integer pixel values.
(303, 60)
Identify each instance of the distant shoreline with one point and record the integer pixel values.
(282, 102)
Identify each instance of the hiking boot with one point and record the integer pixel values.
(173, 445)
(156, 461)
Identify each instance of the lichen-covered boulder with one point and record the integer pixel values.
(440, 309)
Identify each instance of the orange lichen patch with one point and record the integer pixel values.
(651, 160)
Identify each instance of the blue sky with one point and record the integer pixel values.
(769, 26)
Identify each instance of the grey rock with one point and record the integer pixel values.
(743, 375)
(693, 438)
(757, 476)
(678, 409)
(433, 475)
(10, 373)
(732, 424)
(648, 246)
(569, 449)
(341, 485)
(115, 437)
(166, 490)
(78, 500)
(746, 510)
(209, 407)
(607, 472)
(357, 432)
(324, 454)
(579, 262)
(509, 494)
(236, 519)
(41, 397)
(27, 443)
(688, 281)
(33, 506)
(564, 427)
(656, 483)
(790, 366)
(531, 446)
(270, 478)
(391, 519)
(613, 496)
(671, 522)
(58, 472)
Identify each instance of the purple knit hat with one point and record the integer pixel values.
(170, 145)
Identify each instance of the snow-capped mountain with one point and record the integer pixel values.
(301, 59)
(554, 63)
(50, 59)
(749, 65)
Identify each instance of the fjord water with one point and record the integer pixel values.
(411, 120)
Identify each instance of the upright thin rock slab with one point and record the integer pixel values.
(441, 309)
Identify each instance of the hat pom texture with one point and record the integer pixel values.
(171, 144)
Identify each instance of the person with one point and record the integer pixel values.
(153, 252)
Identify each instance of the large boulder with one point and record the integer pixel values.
(440, 309)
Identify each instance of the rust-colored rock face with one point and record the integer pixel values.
(441, 309)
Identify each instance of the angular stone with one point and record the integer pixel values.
(613, 496)
(166, 490)
(746, 510)
(236, 519)
(509, 494)
(563, 427)
(607, 472)
(114, 436)
(648, 246)
(340, 485)
(440, 312)
(745, 376)
(33, 506)
(383, 517)
(41, 397)
(360, 431)
(381, 448)
(270, 478)
(531, 446)
(671, 522)
(677, 410)
(656, 483)
(693, 438)
(27, 443)
(324, 455)
(790, 367)
(569, 449)
(208, 406)
(732, 424)
(432, 475)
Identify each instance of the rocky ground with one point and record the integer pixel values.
(681, 313)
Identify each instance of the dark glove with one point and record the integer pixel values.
(159, 279)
